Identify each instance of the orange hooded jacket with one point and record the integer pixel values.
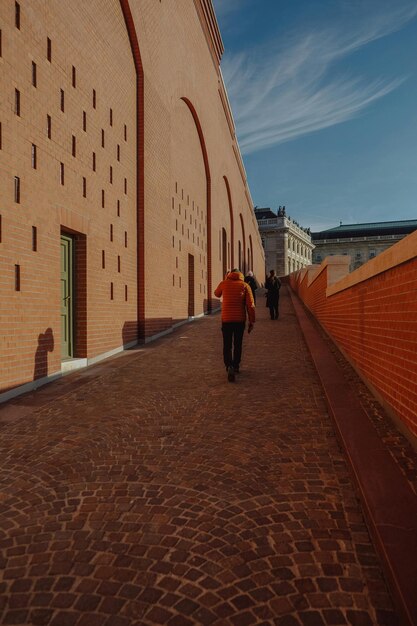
(237, 298)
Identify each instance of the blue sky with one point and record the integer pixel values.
(324, 97)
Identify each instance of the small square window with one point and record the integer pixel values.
(17, 189)
(17, 277)
(17, 102)
(34, 154)
(17, 14)
(34, 74)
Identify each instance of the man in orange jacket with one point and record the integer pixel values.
(237, 299)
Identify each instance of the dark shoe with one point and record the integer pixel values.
(230, 374)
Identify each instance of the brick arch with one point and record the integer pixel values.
(208, 197)
(140, 167)
(250, 260)
(243, 269)
(232, 237)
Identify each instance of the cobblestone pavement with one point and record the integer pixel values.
(159, 493)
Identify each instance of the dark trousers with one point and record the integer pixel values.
(273, 309)
(232, 342)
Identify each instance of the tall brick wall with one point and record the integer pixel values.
(178, 67)
(133, 237)
(372, 316)
(88, 42)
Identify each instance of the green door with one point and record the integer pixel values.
(66, 297)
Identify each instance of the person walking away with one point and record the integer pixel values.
(273, 285)
(251, 281)
(237, 302)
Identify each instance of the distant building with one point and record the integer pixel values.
(288, 246)
(360, 241)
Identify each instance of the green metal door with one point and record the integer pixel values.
(66, 297)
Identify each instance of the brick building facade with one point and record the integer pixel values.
(123, 197)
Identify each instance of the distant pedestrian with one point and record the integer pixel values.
(237, 300)
(273, 285)
(252, 282)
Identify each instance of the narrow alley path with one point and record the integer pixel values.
(158, 493)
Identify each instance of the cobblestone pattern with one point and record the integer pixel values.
(159, 493)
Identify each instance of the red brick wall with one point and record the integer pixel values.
(53, 207)
(155, 65)
(375, 323)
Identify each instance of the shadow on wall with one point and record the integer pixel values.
(46, 344)
(129, 333)
(136, 333)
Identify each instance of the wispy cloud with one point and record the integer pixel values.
(279, 93)
(226, 7)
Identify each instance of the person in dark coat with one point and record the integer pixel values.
(273, 285)
(251, 281)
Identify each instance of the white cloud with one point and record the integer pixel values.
(280, 92)
(225, 7)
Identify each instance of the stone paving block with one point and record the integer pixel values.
(159, 493)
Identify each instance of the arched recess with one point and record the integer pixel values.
(243, 268)
(208, 198)
(250, 253)
(140, 167)
(224, 252)
(232, 237)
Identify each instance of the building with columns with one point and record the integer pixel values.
(361, 242)
(287, 245)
